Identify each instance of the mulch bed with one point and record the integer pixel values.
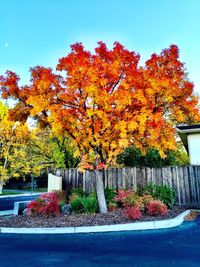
(71, 220)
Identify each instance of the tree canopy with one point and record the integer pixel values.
(104, 101)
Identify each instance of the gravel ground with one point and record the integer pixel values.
(116, 217)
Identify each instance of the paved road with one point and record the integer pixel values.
(177, 247)
(7, 202)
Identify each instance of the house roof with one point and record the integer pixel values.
(189, 128)
(184, 130)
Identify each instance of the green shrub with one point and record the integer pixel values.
(86, 205)
(77, 205)
(89, 204)
(162, 192)
(62, 203)
(77, 191)
(110, 195)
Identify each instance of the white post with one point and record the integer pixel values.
(54, 182)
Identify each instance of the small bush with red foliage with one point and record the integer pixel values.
(146, 199)
(35, 206)
(61, 195)
(135, 201)
(47, 204)
(133, 213)
(156, 207)
(122, 196)
(112, 206)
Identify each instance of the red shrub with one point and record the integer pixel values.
(156, 207)
(112, 207)
(35, 206)
(46, 204)
(122, 195)
(134, 201)
(132, 213)
(61, 195)
(146, 199)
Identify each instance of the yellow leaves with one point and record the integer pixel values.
(139, 95)
(132, 125)
(39, 103)
(76, 153)
(16, 156)
(113, 145)
(89, 112)
(91, 90)
(3, 111)
(123, 143)
(43, 86)
(169, 98)
(85, 164)
(142, 123)
(3, 174)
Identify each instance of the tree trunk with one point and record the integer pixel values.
(1, 187)
(100, 192)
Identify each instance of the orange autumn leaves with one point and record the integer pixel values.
(104, 101)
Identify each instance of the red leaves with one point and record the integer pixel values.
(47, 204)
(132, 213)
(101, 166)
(9, 85)
(156, 207)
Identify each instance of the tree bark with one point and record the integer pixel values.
(1, 187)
(100, 192)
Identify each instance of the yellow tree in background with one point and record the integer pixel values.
(16, 157)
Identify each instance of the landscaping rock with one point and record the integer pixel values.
(26, 212)
(66, 209)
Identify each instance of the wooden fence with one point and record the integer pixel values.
(185, 180)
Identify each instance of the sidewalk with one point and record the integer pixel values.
(6, 212)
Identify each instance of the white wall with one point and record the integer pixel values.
(194, 148)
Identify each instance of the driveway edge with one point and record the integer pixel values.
(150, 225)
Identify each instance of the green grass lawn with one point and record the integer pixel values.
(40, 190)
(28, 190)
(6, 193)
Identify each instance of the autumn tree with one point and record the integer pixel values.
(14, 139)
(105, 102)
(18, 146)
(26, 150)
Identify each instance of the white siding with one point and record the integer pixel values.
(194, 148)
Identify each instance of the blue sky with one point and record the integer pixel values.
(38, 32)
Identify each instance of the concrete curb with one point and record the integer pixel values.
(151, 225)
